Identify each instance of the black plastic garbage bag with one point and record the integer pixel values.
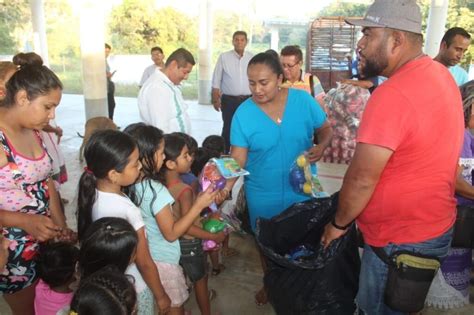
(323, 283)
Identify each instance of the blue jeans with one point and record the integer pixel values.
(373, 272)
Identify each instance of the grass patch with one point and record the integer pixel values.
(72, 83)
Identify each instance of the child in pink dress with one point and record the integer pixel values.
(56, 268)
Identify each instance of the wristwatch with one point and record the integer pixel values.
(340, 227)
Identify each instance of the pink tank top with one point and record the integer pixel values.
(12, 197)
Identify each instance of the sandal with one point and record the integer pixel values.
(212, 294)
(229, 252)
(217, 271)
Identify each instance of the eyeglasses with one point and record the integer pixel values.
(287, 66)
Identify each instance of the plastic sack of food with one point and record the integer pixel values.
(302, 277)
(304, 179)
(345, 106)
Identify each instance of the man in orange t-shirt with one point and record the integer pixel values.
(400, 184)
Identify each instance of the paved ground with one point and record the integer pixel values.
(236, 285)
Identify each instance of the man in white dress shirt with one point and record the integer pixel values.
(230, 85)
(157, 57)
(160, 100)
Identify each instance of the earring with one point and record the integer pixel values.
(279, 88)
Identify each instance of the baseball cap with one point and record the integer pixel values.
(402, 15)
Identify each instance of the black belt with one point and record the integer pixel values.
(236, 97)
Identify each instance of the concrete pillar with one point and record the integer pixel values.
(436, 26)
(92, 29)
(40, 43)
(275, 38)
(205, 52)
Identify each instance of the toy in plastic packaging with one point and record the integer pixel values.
(304, 178)
(210, 175)
(229, 168)
(214, 226)
(217, 171)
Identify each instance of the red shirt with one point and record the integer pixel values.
(418, 115)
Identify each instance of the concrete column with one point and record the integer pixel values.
(275, 38)
(40, 43)
(436, 26)
(92, 29)
(205, 52)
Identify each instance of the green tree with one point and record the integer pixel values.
(135, 26)
(226, 23)
(461, 14)
(14, 19)
(62, 29)
(338, 8)
(131, 26)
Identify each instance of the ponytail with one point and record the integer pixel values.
(85, 202)
(106, 150)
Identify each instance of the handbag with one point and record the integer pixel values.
(463, 235)
(409, 279)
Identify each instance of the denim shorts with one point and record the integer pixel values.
(193, 259)
(373, 272)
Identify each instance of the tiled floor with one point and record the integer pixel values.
(237, 284)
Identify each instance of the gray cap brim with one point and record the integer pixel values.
(363, 23)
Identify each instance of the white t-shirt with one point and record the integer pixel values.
(118, 206)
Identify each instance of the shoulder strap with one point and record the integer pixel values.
(183, 191)
(16, 173)
(380, 252)
(43, 145)
(311, 84)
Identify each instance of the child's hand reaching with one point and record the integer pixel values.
(205, 198)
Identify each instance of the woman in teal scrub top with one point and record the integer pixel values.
(268, 132)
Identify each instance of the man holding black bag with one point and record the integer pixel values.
(400, 184)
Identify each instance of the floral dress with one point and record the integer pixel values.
(23, 188)
(450, 287)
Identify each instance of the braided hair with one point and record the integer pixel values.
(106, 292)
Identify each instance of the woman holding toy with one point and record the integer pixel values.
(268, 132)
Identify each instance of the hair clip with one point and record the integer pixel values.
(88, 170)
(108, 227)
